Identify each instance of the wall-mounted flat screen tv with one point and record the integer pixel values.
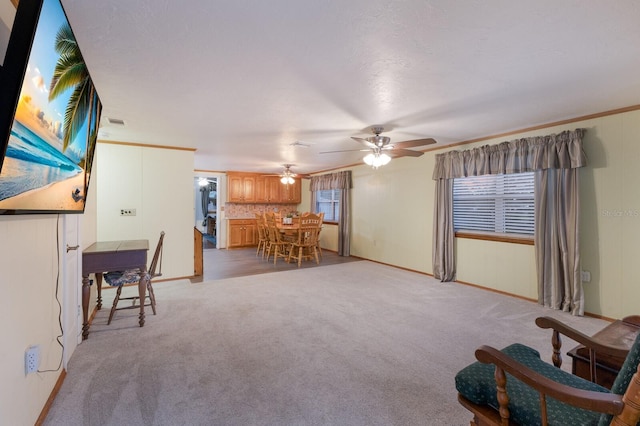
(49, 115)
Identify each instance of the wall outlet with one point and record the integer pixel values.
(32, 359)
(127, 212)
(585, 276)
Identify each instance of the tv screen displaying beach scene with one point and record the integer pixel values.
(48, 158)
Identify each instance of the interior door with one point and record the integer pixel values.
(72, 280)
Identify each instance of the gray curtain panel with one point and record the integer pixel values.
(554, 159)
(443, 258)
(204, 203)
(342, 181)
(557, 240)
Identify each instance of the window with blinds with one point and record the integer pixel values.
(494, 203)
(328, 202)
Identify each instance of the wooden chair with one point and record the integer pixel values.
(279, 246)
(306, 245)
(263, 238)
(321, 214)
(515, 387)
(121, 278)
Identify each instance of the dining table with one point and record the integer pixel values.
(288, 231)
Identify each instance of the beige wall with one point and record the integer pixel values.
(392, 213)
(28, 313)
(158, 184)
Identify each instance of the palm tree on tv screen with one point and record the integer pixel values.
(71, 72)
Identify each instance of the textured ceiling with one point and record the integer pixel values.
(241, 81)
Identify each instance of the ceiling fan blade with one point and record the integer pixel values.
(403, 153)
(414, 143)
(344, 150)
(364, 142)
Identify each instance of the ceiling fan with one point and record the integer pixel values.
(381, 150)
(287, 176)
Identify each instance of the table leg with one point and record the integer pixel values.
(86, 292)
(99, 285)
(142, 294)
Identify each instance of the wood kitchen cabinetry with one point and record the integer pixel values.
(242, 233)
(292, 193)
(241, 188)
(268, 189)
(251, 188)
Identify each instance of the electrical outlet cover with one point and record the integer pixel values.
(32, 359)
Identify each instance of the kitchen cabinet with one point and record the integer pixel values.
(242, 233)
(292, 193)
(241, 188)
(268, 189)
(253, 188)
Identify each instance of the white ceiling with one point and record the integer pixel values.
(242, 80)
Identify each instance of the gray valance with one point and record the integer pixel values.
(337, 180)
(556, 151)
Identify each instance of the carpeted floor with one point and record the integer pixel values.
(350, 344)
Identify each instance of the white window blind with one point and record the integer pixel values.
(494, 203)
(328, 202)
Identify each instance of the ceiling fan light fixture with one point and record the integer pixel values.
(287, 180)
(376, 159)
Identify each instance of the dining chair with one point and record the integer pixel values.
(121, 278)
(321, 214)
(279, 246)
(263, 238)
(306, 245)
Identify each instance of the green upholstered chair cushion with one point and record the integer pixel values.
(621, 383)
(476, 382)
(120, 278)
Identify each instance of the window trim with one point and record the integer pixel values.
(496, 236)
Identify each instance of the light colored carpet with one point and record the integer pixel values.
(351, 344)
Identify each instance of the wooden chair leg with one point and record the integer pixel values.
(115, 303)
(152, 297)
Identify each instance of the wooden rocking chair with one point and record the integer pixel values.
(515, 387)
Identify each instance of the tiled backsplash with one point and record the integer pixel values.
(243, 211)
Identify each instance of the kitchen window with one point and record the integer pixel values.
(328, 202)
(502, 204)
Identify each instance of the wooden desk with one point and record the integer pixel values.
(619, 333)
(105, 256)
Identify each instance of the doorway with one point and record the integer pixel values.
(206, 209)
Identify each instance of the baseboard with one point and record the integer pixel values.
(52, 397)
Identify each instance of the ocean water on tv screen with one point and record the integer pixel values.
(32, 163)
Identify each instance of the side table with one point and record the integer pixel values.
(618, 333)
